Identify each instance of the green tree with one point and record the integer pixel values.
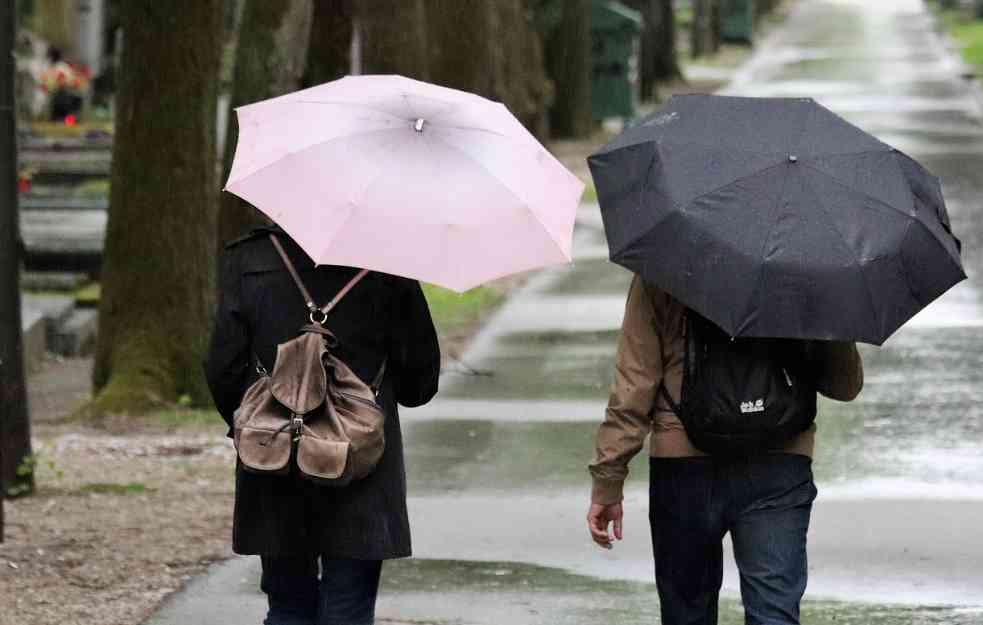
(15, 432)
(565, 27)
(394, 37)
(270, 61)
(492, 49)
(658, 54)
(329, 52)
(705, 32)
(158, 270)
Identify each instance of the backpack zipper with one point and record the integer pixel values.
(367, 402)
(788, 378)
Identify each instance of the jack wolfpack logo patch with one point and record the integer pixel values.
(753, 406)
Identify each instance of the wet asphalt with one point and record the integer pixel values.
(496, 465)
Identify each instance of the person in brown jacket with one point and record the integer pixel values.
(764, 501)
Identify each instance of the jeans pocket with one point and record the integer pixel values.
(782, 481)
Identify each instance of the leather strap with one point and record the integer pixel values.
(308, 300)
(327, 308)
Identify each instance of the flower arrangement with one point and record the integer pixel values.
(70, 77)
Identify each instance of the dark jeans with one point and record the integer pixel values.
(344, 595)
(764, 502)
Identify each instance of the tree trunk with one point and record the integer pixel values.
(158, 270)
(766, 6)
(15, 431)
(269, 62)
(666, 60)
(526, 88)
(394, 37)
(568, 64)
(492, 50)
(704, 29)
(329, 53)
(658, 62)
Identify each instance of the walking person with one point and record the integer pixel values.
(321, 547)
(764, 499)
(394, 175)
(767, 236)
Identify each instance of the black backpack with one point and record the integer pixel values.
(744, 395)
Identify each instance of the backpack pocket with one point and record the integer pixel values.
(263, 450)
(324, 461)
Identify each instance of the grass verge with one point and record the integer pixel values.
(453, 312)
(966, 31)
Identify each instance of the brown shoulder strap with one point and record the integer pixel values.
(308, 300)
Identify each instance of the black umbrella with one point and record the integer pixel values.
(776, 218)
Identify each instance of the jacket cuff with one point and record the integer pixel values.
(606, 492)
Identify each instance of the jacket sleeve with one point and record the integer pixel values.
(227, 364)
(839, 369)
(628, 418)
(414, 351)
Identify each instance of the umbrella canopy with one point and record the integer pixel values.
(776, 218)
(405, 177)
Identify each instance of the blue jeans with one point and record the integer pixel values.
(344, 595)
(764, 502)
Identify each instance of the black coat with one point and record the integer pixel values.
(384, 315)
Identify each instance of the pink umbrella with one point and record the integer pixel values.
(408, 178)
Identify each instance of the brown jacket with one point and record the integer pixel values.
(650, 350)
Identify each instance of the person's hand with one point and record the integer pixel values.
(599, 517)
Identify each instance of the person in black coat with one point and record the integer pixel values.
(292, 523)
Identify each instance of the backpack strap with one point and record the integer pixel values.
(663, 389)
(308, 300)
(327, 308)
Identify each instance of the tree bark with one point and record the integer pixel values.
(15, 432)
(493, 50)
(158, 269)
(329, 53)
(270, 61)
(394, 37)
(705, 33)
(666, 60)
(658, 62)
(569, 66)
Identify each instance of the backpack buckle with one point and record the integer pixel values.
(297, 424)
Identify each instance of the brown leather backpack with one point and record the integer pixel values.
(313, 410)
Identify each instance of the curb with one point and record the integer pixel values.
(950, 50)
(761, 57)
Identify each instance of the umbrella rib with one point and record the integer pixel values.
(361, 105)
(475, 129)
(525, 204)
(856, 259)
(764, 245)
(806, 159)
(681, 206)
(716, 147)
(309, 147)
(881, 203)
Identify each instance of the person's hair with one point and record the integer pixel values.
(54, 54)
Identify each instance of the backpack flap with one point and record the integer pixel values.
(299, 380)
(321, 459)
(262, 443)
(741, 395)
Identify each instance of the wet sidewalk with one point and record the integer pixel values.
(497, 464)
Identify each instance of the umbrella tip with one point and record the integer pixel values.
(418, 126)
(792, 158)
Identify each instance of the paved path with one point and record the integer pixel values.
(496, 466)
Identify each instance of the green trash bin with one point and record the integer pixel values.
(737, 21)
(616, 40)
